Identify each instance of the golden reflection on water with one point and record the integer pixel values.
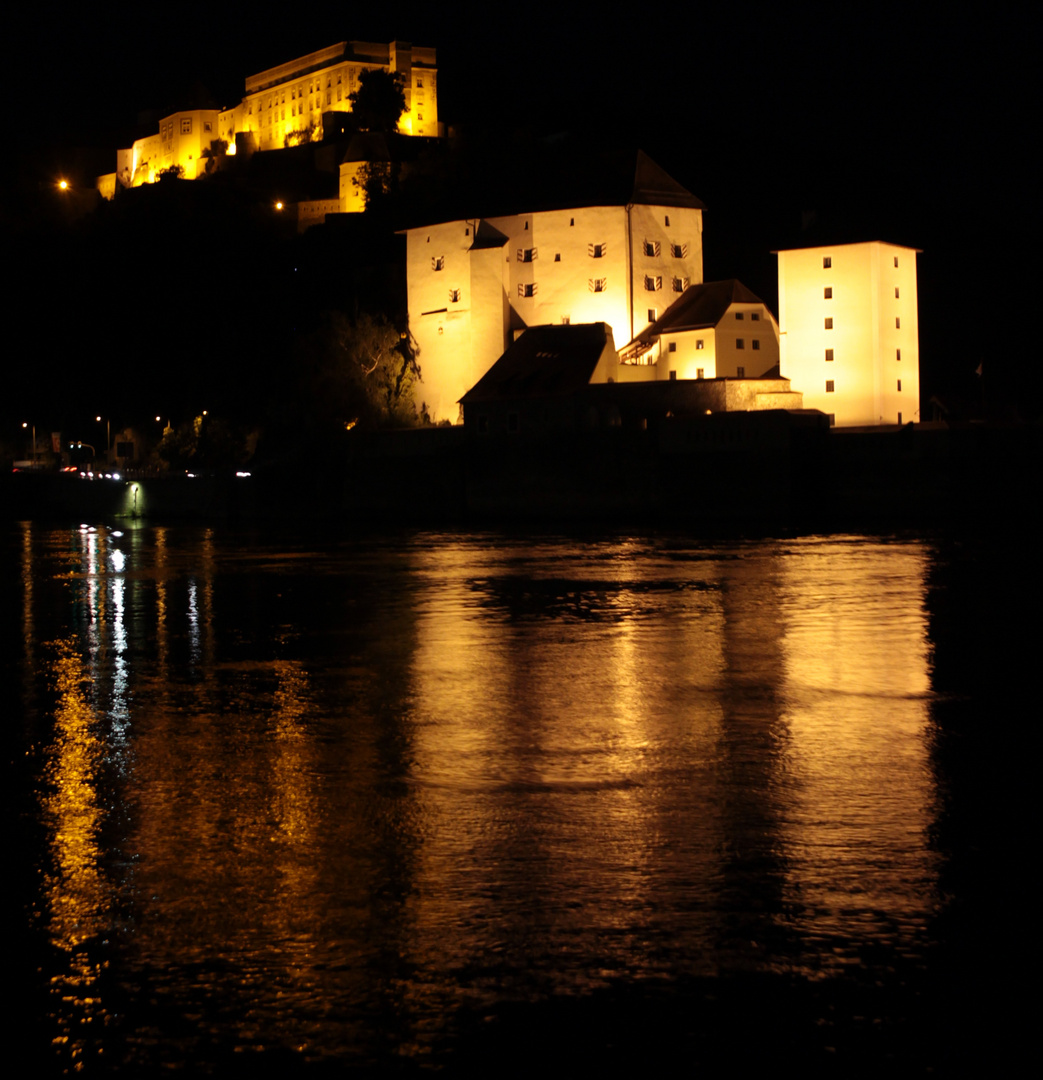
(526, 768)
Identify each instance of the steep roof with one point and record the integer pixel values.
(698, 307)
(654, 186)
(545, 360)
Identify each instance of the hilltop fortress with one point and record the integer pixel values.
(283, 106)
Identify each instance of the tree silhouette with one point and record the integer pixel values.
(379, 100)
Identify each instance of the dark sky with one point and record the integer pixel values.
(793, 124)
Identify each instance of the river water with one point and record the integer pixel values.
(492, 802)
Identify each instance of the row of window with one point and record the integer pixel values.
(898, 323)
(827, 262)
(830, 384)
(827, 293)
(829, 355)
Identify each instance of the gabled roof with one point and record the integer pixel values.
(698, 307)
(653, 186)
(545, 360)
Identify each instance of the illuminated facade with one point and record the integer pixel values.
(715, 330)
(849, 331)
(284, 106)
(474, 284)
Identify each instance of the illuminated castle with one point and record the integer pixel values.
(475, 284)
(283, 106)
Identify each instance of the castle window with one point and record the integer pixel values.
(829, 386)
(572, 221)
(755, 344)
(739, 316)
(666, 219)
(565, 320)
(700, 344)
(679, 251)
(597, 251)
(700, 373)
(673, 376)
(740, 343)
(899, 384)
(557, 256)
(186, 125)
(528, 289)
(898, 354)
(740, 372)
(420, 84)
(898, 323)
(896, 292)
(827, 293)
(598, 284)
(896, 260)
(672, 347)
(207, 126)
(829, 355)
(829, 324)
(652, 248)
(827, 262)
(755, 316)
(653, 282)
(454, 296)
(679, 284)
(438, 262)
(526, 254)
(652, 314)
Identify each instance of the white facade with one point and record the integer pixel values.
(473, 284)
(849, 331)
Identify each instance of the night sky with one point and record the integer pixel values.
(797, 126)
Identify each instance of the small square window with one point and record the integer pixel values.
(827, 292)
(673, 376)
(557, 256)
(739, 316)
(700, 344)
(829, 355)
(597, 251)
(528, 289)
(652, 314)
(526, 254)
(700, 373)
(597, 284)
(755, 316)
(827, 262)
(672, 347)
(740, 372)
(829, 324)
(653, 282)
(651, 248)
(679, 251)
(755, 344)
(829, 386)
(739, 343)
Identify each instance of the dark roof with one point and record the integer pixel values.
(545, 360)
(655, 187)
(698, 307)
(487, 236)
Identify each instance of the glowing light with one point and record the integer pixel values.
(278, 206)
(63, 185)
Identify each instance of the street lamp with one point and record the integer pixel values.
(108, 440)
(24, 426)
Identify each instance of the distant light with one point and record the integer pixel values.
(115, 476)
(278, 206)
(157, 419)
(242, 474)
(98, 418)
(63, 185)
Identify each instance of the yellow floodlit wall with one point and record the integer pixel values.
(849, 331)
(612, 264)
